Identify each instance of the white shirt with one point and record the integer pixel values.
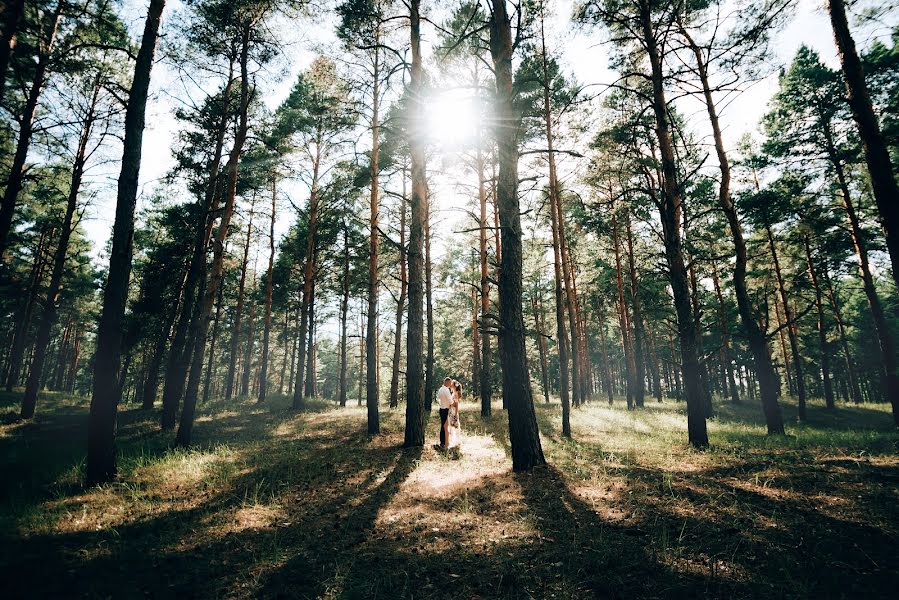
(444, 397)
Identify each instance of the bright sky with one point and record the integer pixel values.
(583, 55)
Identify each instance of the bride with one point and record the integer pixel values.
(453, 427)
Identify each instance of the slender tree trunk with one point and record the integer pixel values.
(524, 436)
(185, 426)
(726, 359)
(238, 311)
(822, 325)
(475, 344)
(783, 346)
(671, 212)
(362, 364)
(541, 347)
(562, 340)
(757, 341)
(180, 352)
(415, 417)
(880, 169)
(400, 305)
(310, 378)
(637, 321)
(151, 382)
(485, 385)
(429, 310)
(604, 354)
(16, 176)
(248, 352)
(792, 333)
(344, 311)
(266, 332)
(371, 334)
(623, 324)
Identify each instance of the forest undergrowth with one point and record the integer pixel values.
(274, 503)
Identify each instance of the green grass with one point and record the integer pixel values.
(274, 503)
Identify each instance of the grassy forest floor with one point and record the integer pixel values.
(277, 504)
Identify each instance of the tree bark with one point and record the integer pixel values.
(429, 310)
(844, 342)
(400, 305)
(757, 341)
(185, 426)
(309, 381)
(485, 385)
(637, 320)
(210, 364)
(524, 436)
(726, 359)
(238, 312)
(623, 321)
(880, 168)
(671, 212)
(101, 461)
(344, 311)
(415, 418)
(248, 348)
(371, 334)
(13, 17)
(541, 347)
(151, 382)
(822, 325)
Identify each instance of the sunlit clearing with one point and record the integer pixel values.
(452, 119)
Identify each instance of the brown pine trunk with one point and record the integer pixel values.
(151, 382)
(400, 305)
(726, 360)
(415, 418)
(637, 321)
(788, 375)
(541, 347)
(266, 332)
(758, 342)
(16, 175)
(880, 168)
(362, 364)
(210, 364)
(623, 324)
(429, 310)
(248, 352)
(185, 426)
(51, 303)
(238, 310)
(604, 354)
(179, 358)
(822, 325)
(792, 329)
(671, 213)
(344, 311)
(371, 333)
(309, 379)
(485, 385)
(475, 343)
(524, 436)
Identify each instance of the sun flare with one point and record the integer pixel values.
(452, 119)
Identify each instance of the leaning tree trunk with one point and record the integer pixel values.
(755, 337)
(185, 426)
(880, 168)
(524, 437)
(415, 417)
(671, 212)
(101, 461)
(267, 328)
(16, 176)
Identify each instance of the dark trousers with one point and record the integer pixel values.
(444, 414)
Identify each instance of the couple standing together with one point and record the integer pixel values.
(448, 397)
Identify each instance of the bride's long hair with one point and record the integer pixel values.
(458, 387)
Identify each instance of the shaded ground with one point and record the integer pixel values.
(276, 504)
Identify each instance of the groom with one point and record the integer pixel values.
(445, 400)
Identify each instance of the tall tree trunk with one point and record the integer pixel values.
(562, 340)
(604, 354)
(415, 418)
(16, 176)
(726, 359)
(822, 325)
(362, 364)
(73, 366)
(266, 332)
(310, 378)
(429, 317)
(400, 305)
(371, 333)
(671, 211)
(623, 321)
(475, 343)
(783, 346)
(637, 321)
(238, 310)
(179, 358)
(757, 341)
(485, 385)
(792, 333)
(51, 303)
(248, 352)
(344, 311)
(880, 169)
(524, 436)
(185, 426)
